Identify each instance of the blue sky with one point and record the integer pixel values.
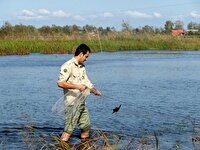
(98, 13)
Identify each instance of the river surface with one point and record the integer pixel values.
(158, 91)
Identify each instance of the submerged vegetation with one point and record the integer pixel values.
(21, 39)
(33, 138)
(44, 138)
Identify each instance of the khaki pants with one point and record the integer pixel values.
(77, 116)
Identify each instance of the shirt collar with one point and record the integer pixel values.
(76, 63)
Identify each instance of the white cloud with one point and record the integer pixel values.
(42, 12)
(92, 16)
(27, 13)
(60, 13)
(78, 17)
(31, 14)
(194, 14)
(179, 17)
(107, 14)
(157, 15)
(137, 14)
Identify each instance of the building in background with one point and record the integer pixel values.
(178, 32)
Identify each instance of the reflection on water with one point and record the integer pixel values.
(158, 91)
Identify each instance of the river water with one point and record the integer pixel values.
(158, 91)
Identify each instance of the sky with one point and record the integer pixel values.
(101, 13)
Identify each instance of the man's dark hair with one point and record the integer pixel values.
(82, 48)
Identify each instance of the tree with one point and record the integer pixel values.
(56, 29)
(108, 29)
(66, 30)
(75, 28)
(126, 26)
(179, 24)
(89, 28)
(113, 29)
(6, 29)
(23, 31)
(45, 30)
(169, 25)
(192, 25)
(147, 28)
(158, 30)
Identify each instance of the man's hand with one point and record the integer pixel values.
(95, 92)
(82, 87)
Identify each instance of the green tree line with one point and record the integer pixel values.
(25, 39)
(29, 32)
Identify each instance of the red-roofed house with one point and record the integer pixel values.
(177, 32)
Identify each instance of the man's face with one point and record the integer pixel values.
(84, 57)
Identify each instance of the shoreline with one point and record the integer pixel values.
(137, 51)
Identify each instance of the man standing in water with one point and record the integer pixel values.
(73, 79)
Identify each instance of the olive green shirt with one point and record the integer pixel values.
(72, 72)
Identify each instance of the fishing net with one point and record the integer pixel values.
(60, 106)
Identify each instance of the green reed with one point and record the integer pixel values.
(110, 42)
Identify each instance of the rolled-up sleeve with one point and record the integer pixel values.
(64, 74)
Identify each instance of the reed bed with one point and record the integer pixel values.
(100, 140)
(36, 138)
(110, 42)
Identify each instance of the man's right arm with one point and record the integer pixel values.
(64, 76)
(66, 85)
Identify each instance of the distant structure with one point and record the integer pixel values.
(192, 30)
(178, 32)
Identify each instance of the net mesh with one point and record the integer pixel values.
(59, 107)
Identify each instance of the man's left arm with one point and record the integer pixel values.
(90, 85)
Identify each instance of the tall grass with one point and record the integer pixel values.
(99, 140)
(110, 42)
(34, 138)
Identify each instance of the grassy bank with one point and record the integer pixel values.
(111, 42)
